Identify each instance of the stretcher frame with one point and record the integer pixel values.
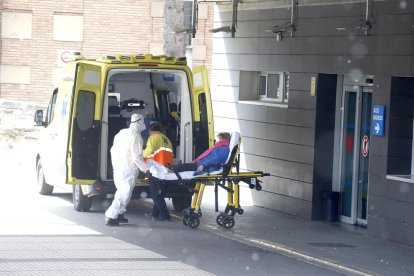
(229, 180)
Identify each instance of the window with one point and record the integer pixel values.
(51, 107)
(16, 25)
(188, 19)
(274, 87)
(68, 27)
(400, 157)
(17, 74)
(85, 109)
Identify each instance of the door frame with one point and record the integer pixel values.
(359, 84)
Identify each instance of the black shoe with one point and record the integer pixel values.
(149, 215)
(162, 218)
(122, 219)
(111, 222)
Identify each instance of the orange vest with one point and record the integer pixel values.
(159, 148)
(163, 156)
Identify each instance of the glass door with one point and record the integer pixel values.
(357, 105)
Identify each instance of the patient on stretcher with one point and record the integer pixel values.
(210, 162)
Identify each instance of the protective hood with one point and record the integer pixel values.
(137, 123)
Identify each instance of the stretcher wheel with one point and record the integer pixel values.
(228, 222)
(220, 219)
(194, 222)
(185, 220)
(240, 211)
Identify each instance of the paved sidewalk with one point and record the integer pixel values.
(36, 241)
(339, 247)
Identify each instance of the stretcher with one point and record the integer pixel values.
(229, 177)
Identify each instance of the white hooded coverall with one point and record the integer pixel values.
(127, 161)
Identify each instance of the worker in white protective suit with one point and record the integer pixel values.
(127, 161)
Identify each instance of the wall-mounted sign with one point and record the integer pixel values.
(63, 57)
(313, 86)
(378, 118)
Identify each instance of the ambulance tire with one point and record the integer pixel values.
(44, 188)
(81, 203)
(181, 202)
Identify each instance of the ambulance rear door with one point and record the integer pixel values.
(203, 128)
(85, 127)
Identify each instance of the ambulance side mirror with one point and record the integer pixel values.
(38, 118)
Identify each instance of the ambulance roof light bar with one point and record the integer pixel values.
(75, 56)
(140, 58)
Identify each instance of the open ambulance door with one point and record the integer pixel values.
(85, 126)
(203, 129)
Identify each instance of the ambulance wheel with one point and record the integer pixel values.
(194, 222)
(228, 222)
(44, 188)
(220, 219)
(185, 220)
(181, 202)
(81, 203)
(240, 211)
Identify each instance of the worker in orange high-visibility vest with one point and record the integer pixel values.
(159, 148)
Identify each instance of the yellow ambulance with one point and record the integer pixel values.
(96, 98)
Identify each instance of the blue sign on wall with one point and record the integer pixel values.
(378, 118)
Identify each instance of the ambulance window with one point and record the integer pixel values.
(201, 128)
(85, 108)
(51, 108)
(203, 109)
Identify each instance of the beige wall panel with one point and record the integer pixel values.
(199, 52)
(16, 25)
(68, 27)
(202, 11)
(15, 74)
(157, 9)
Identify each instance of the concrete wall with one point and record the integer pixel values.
(283, 140)
(125, 27)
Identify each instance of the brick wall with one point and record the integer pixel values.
(109, 27)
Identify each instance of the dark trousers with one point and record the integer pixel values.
(160, 207)
(185, 167)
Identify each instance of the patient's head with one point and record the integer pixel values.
(223, 136)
